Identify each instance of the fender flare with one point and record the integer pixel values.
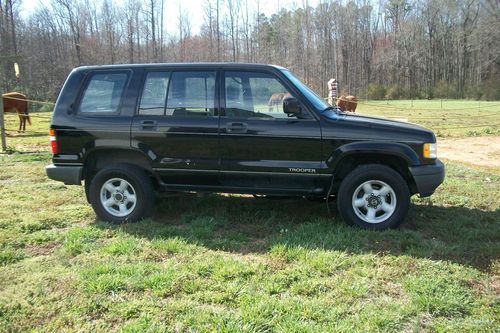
(398, 150)
(120, 155)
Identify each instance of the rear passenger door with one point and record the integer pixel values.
(176, 125)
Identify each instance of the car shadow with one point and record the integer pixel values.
(246, 224)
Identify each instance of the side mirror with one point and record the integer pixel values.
(291, 106)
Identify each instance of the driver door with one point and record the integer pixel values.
(261, 146)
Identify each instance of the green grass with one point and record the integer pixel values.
(447, 118)
(231, 263)
(235, 263)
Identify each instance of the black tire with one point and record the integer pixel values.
(87, 181)
(374, 175)
(86, 184)
(140, 188)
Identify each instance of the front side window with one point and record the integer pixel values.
(103, 93)
(317, 101)
(254, 95)
(154, 94)
(191, 94)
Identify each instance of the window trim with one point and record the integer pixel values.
(83, 89)
(215, 71)
(141, 91)
(285, 84)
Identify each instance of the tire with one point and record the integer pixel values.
(116, 185)
(86, 184)
(373, 197)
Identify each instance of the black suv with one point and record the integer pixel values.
(129, 131)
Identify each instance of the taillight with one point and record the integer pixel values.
(53, 141)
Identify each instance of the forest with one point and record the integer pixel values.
(380, 49)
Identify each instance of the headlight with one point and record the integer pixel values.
(430, 150)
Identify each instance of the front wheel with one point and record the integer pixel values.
(121, 193)
(374, 196)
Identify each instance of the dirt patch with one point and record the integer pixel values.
(480, 150)
(40, 250)
(254, 246)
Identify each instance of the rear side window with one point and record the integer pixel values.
(191, 94)
(154, 94)
(103, 93)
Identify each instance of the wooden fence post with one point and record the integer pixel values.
(2, 125)
(2, 120)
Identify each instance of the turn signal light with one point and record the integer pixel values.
(430, 150)
(53, 141)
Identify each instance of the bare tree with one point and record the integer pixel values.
(210, 28)
(410, 49)
(69, 12)
(233, 8)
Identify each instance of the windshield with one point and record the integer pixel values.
(317, 101)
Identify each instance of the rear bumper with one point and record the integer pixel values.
(428, 177)
(69, 175)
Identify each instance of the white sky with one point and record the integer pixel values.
(194, 9)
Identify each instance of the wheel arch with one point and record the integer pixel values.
(396, 156)
(99, 158)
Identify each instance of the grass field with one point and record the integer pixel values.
(238, 264)
(447, 118)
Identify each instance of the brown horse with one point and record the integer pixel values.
(347, 103)
(276, 100)
(16, 102)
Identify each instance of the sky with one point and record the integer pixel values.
(194, 9)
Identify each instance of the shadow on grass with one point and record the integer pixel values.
(250, 225)
(27, 134)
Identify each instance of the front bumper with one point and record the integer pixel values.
(69, 175)
(428, 177)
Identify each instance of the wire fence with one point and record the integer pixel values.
(16, 133)
(389, 106)
(29, 100)
(485, 109)
(479, 107)
(30, 115)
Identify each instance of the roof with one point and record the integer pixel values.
(186, 65)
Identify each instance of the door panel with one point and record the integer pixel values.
(181, 134)
(260, 145)
(102, 114)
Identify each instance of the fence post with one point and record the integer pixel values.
(2, 124)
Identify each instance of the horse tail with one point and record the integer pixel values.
(28, 119)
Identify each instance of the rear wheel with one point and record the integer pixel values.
(121, 193)
(374, 196)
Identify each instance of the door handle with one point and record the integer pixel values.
(236, 128)
(148, 124)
